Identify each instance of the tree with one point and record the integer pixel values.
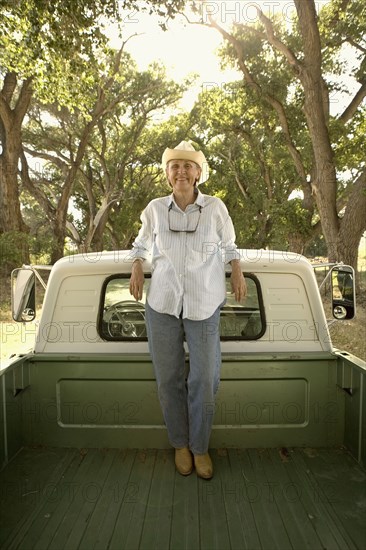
(145, 179)
(46, 49)
(252, 169)
(311, 52)
(120, 169)
(34, 54)
(89, 155)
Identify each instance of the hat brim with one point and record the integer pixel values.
(196, 156)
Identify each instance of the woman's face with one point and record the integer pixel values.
(182, 174)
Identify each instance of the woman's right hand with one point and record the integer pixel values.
(137, 280)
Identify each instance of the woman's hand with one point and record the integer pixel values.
(238, 284)
(137, 280)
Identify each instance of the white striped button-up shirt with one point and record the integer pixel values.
(189, 251)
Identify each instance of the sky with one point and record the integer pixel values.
(183, 49)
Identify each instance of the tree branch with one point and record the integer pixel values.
(74, 234)
(353, 105)
(35, 190)
(117, 59)
(355, 44)
(310, 36)
(241, 187)
(21, 106)
(88, 179)
(62, 164)
(239, 53)
(10, 82)
(260, 157)
(271, 100)
(6, 113)
(276, 42)
(354, 217)
(296, 157)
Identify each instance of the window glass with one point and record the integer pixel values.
(123, 318)
(243, 321)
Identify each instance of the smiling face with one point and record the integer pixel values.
(182, 174)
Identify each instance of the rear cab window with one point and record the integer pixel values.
(121, 318)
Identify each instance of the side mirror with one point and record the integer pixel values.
(343, 292)
(23, 295)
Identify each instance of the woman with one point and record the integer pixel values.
(191, 238)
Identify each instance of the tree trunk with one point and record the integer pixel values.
(11, 218)
(96, 243)
(316, 111)
(11, 119)
(59, 235)
(353, 224)
(93, 241)
(342, 235)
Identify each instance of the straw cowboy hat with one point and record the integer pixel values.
(186, 151)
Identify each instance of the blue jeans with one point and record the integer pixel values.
(187, 406)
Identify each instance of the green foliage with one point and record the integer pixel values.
(57, 43)
(252, 170)
(316, 248)
(342, 22)
(146, 177)
(51, 42)
(13, 248)
(57, 52)
(350, 141)
(40, 238)
(256, 133)
(119, 169)
(62, 47)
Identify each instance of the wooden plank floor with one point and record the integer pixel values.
(133, 499)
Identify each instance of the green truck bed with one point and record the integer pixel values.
(286, 498)
(86, 462)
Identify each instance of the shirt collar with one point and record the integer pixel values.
(200, 199)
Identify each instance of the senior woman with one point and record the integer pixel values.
(191, 237)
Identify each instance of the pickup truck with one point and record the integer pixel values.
(83, 446)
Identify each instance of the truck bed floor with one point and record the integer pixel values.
(59, 498)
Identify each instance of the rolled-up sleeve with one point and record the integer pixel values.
(141, 246)
(228, 246)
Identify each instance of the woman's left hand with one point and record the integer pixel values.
(238, 284)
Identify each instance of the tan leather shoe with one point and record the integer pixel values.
(203, 466)
(183, 461)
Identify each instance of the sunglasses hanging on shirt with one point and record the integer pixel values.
(176, 220)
